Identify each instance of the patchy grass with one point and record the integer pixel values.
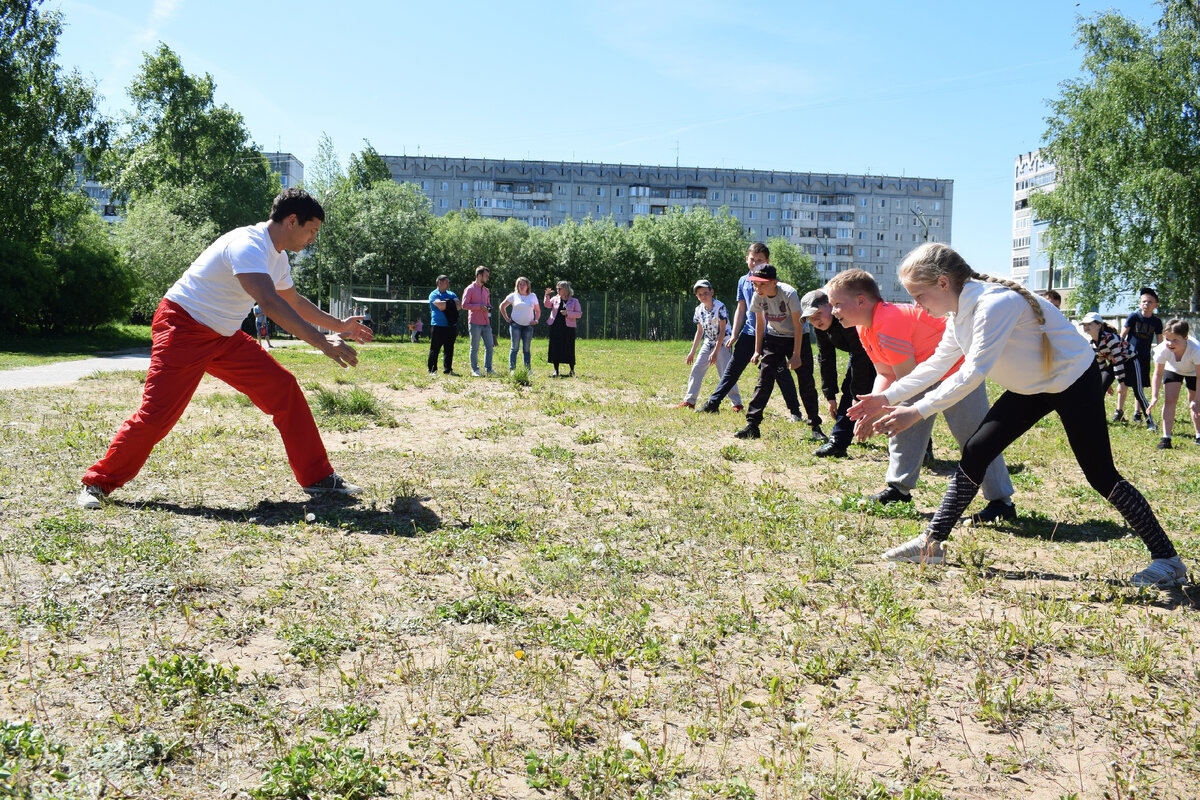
(32, 349)
(566, 589)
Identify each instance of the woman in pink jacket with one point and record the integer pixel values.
(565, 312)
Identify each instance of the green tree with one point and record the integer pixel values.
(367, 168)
(682, 245)
(324, 176)
(369, 235)
(1125, 141)
(158, 245)
(793, 264)
(47, 117)
(184, 149)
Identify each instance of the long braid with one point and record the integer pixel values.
(1047, 351)
(934, 259)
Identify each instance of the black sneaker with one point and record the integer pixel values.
(929, 459)
(1137, 416)
(90, 497)
(749, 432)
(818, 435)
(1164, 443)
(890, 495)
(994, 510)
(795, 418)
(830, 450)
(1198, 440)
(1118, 416)
(333, 484)
(709, 408)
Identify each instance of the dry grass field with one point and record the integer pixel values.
(565, 588)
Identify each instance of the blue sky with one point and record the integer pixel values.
(936, 89)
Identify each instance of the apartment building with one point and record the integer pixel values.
(1031, 263)
(289, 168)
(842, 221)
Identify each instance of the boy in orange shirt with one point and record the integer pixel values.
(897, 338)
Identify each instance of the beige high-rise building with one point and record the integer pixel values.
(842, 221)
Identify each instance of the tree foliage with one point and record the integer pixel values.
(367, 168)
(1125, 141)
(47, 116)
(187, 151)
(159, 245)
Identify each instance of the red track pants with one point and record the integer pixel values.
(183, 350)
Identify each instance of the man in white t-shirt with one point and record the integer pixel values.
(197, 330)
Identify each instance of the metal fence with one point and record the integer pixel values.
(606, 315)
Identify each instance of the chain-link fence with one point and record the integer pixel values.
(606, 315)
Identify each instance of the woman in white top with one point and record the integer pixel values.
(1176, 359)
(1027, 346)
(521, 311)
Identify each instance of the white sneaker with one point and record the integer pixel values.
(334, 484)
(1161, 572)
(476, 373)
(919, 550)
(90, 497)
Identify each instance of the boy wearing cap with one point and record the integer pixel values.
(443, 325)
(777, 329)
(831, 336)
(711, 319)
(897, 338)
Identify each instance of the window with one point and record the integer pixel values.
(770, 215)
(937, 205)
(883, 203)
(862, 219)
(879, 252)
(1021, 241)
(716, 195)
(441, 202)
(879, 237)
(753, 197)
(562, 208)
(733, 198)
(861, 252)
(620, 209)
(579, 191)
(770, 198)
(862, 234)
(899, 237)
(465, 186)
(620, 191)
(810, 199)
(599, 191)
(579, 207)
(599, 208)
(562, 189)
(880, 220)
(753, 214)
(770, 232)
(898, 221)
(844, 233)
(424, 185)
(862, 203)
(641, 208)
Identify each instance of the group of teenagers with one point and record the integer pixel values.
(908, 363)
(520, 310)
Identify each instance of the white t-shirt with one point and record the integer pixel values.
(210, 291)
(524, 308)
(778, 309)
(1188, 360)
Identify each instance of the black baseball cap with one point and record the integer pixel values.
(764, 272)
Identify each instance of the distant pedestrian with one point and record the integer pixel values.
(443, 325)
(477, 301)
(565, 312)
(261, 327)
(1175, 362)
(521, 311)
(197, 330)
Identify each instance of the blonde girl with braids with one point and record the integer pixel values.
(1028, 347)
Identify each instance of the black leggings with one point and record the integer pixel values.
(1081, 408)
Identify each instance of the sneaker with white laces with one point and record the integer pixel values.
(333, 484)
(1162, 572)
(90, 497)
(994, 510)
(919, 550)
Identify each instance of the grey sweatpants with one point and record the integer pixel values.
(906, 450)
(700, 369)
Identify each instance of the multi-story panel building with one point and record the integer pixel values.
(98, 193)
(288, 167)
(842, 221)
(1031, 262)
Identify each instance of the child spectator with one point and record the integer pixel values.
(711, 319)
(1116, 360)
(1175, 362)
(1143, 330)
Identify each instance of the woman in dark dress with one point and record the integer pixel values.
(565, 312)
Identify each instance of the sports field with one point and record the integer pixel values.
(569, 589)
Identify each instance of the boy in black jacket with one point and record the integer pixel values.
(832, 336)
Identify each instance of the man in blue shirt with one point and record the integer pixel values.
(443, 325)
